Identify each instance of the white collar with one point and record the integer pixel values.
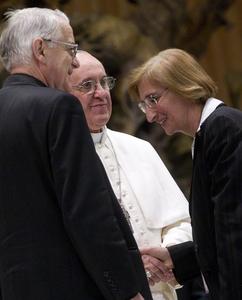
(99, 137)
(210, 105)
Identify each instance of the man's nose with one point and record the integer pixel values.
(99, 89)
(150, 115)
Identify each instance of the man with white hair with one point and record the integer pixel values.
(63, 235)
(150, 198)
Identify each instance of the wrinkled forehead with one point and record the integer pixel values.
(90, 67)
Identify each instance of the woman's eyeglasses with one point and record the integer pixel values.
(150, 101)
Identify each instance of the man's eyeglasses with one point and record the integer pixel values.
(70, 47)
(89, 86)
(151, 101)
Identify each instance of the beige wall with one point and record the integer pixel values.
(223, 57)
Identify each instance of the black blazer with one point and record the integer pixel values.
(216, 205)
(62, 233)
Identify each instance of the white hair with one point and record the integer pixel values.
(22, 27)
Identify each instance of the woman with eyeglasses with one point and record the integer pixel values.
(175, 91)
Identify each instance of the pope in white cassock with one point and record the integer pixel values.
(152, 202)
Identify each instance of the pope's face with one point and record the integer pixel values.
(96, 103)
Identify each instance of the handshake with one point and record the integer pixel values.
(158, 265)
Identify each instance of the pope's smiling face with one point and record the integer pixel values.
(97, 104)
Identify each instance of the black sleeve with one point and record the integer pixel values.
(185, 262)
(86, 204)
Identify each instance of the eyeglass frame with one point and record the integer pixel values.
(73, 47)
(151, 101)
(80, 87)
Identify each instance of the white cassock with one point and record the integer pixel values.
(156, 206)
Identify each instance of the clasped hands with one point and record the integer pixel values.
(158, 264)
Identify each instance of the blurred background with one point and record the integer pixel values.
(124, 33)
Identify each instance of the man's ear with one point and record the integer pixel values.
(38, 47)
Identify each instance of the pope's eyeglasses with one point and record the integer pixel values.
(89, 86)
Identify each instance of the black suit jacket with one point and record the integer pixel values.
(216, 205)
(62, 233)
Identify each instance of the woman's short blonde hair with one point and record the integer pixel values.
(176, 70)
